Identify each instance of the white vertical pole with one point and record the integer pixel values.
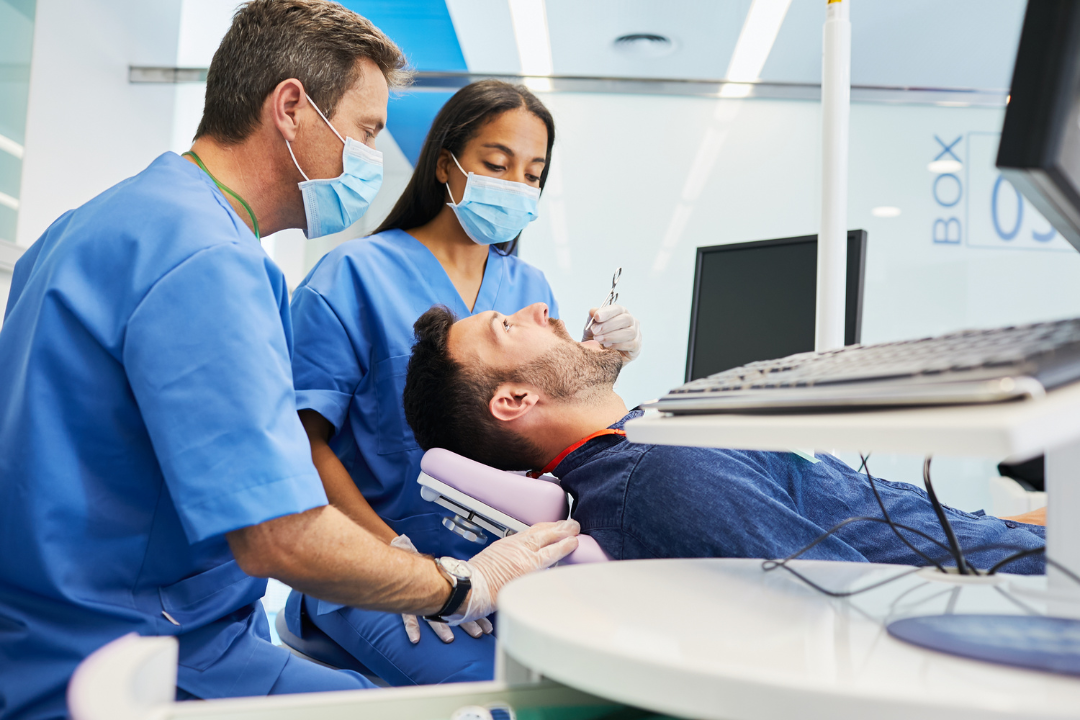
(1062, 529)
(832, 236)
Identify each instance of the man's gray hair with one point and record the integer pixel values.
(315, 41)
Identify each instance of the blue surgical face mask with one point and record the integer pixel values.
(492, 210)
(334, 204)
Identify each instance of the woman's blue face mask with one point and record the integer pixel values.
(492, 210)
(333, 204)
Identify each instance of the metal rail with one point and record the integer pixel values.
(451, 81)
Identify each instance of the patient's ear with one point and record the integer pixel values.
(512, 401)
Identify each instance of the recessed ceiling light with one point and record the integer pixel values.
(885, 211)
(945, 166)
(529, 18)
(759, 31)
(645, 45)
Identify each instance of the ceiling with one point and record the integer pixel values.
(921, 43)
(895, 43)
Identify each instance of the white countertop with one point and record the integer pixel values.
(1024, 428)
(723, 639)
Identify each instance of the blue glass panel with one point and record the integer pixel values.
(422, 28)
(16, 40)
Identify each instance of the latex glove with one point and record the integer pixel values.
(539, 547)
(614, 327)
(482, 625)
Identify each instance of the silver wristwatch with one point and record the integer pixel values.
(459, 575)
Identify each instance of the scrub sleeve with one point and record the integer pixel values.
(207, 358)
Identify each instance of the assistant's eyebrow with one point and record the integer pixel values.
(500, 146)
(508, 151)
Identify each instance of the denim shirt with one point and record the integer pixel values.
(659, 501)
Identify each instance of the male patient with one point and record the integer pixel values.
(518, 393)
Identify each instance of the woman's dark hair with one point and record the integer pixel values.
(457, 123)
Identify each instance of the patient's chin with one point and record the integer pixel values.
(592, 345)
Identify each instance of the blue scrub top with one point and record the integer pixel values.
(146, 408)
(352, 320)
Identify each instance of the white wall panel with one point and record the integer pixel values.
(87, 126)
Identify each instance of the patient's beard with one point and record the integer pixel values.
(570, 372)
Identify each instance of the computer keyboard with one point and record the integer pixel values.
(972, 366)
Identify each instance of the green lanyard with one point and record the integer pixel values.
(254, 222)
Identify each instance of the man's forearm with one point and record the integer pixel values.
(323, 553)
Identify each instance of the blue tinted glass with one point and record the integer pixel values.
(16, 40)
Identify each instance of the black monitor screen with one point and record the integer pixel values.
(1040, 138)
(757, 301)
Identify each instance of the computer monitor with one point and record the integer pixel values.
(757, 301)
(1040, 139)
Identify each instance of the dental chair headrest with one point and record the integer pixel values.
(530, 501)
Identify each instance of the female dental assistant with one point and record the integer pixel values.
(475, 188)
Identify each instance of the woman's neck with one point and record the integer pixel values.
(463, 260)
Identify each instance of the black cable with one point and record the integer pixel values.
(825, 535)
(952, 549)
(888, 519)
(1034, 551)
(847, 593)
(995, 546)
(1016, 556)
(958, 555)
(769, 565)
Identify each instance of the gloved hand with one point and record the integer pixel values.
(482, 625)
(614, 327)
(539, 547)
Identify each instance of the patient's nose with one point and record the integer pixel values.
(536, 313)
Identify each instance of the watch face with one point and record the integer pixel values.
(456, 567)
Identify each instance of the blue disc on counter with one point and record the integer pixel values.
(1035, 642)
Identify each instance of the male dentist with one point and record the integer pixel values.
(152, 464)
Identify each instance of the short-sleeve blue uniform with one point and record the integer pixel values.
(146, 409)
(352, 321)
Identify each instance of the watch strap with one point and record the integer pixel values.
(458, 592)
